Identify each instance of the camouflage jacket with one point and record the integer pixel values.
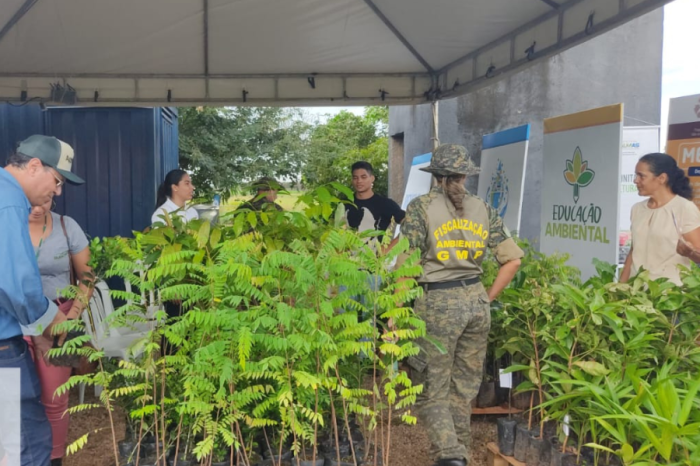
(453, 246)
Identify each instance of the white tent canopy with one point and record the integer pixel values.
(283, 52)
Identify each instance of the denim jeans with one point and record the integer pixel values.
(35, 430)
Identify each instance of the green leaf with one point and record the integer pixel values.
(343, 189)
(203, 234)
(585, 178)
(577, 162)
(323, 194)
(627, 453)
(532, 374)
(436, 343)
(569, 166)
(252, 219)
(215, 237)
(592, 368)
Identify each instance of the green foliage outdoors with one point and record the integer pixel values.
(226, 149)
(621, 360)
(273, 346)
(345, 139)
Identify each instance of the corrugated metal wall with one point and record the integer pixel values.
(17, 123)
(122, 153)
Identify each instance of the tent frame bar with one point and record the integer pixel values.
(23, 10)
(58, 76)
(552, 3)
(399, 36)
(206, 46)
(625, 13)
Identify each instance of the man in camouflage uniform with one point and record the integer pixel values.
(265, 196)
(455, 306)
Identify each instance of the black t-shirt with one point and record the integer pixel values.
(380, 210)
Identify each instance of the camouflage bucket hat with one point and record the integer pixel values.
(451, 159)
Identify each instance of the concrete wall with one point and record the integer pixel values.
(623, 65)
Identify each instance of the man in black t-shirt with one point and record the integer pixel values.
(371, 211)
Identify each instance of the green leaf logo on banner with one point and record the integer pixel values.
(577, 173)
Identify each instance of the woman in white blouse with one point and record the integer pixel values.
(173, 195)
(665, 227)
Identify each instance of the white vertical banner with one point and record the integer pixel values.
(580, 187)
(418, 182)
(502, 176)
(637, 141)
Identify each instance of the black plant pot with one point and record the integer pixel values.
(506, 435)
(532, 458)
(561, 459)
(320, 460)
(334, 462)
(225, 462)
(545, 452)
(274, 455)
(181, 460)
(126, 448)
(149, 461)
(148, 448)
(487, 395)
(522, 442)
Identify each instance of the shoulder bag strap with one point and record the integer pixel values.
(73, 280)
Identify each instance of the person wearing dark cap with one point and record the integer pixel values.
(452, 230)
(34, 174)
(265, 195)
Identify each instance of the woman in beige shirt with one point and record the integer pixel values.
(665, 227)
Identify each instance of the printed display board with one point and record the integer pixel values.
(684, 138)
(580, 187)
(502, 177)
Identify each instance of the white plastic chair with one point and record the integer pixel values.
(116, 342)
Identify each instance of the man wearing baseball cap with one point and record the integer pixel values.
(33, 175)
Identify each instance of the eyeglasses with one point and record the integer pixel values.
(59, 182)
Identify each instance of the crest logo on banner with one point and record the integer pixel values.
(577, 173)
(497, 194)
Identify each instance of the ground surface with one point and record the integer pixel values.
(287, 201)
(409, 446)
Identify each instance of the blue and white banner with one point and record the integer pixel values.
(418, 181)
(502, 177)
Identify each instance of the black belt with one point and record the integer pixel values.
(450, 284)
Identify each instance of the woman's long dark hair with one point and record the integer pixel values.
(663, 163)
(453, 186)
(165, 190)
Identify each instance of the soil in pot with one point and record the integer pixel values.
(522, 442)
(506, 435)
(487, 395)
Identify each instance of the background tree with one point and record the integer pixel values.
(345, 139)
(226, 148)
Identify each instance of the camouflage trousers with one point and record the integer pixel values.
(460, 319)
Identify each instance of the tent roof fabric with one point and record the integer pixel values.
(283, 52)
